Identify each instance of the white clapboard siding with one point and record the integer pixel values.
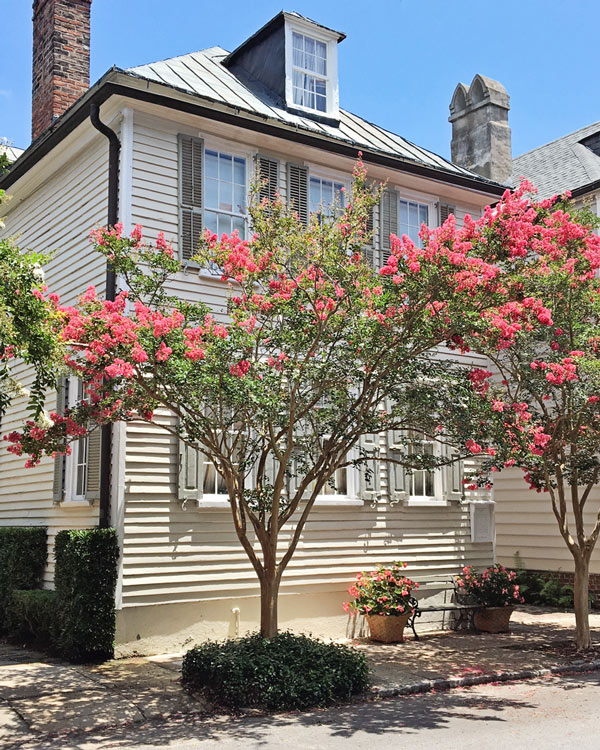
(174, 553)
(55, 218)
(526, 524)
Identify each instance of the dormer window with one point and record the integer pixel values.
(309, 72)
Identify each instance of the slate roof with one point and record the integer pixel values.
(563, 164)
(202, 74)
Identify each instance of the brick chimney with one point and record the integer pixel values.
(61, 58)
(481, 138)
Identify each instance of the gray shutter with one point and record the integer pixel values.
(58, 482)
(268, 174)
(444, 211)
(388, 222)
(370, 483)
(190, 478)
(190, 193)
(92, 487)
(297, 190)
(453, 479)
(398, 479)
(369, 249)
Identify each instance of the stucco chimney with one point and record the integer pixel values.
(61, 58)
(480, 129)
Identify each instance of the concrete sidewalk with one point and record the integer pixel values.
(41, 696)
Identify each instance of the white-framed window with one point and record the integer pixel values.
(424, 484)
(326, 196)
(311, 69)
(309, 72)
(411, 215)
(77, 462)
(225, 191)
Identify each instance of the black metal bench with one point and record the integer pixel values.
(462, 606)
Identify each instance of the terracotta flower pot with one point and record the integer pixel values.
(388, 628)
(493, 619)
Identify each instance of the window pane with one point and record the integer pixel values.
(211, 164)
(297, 40)
(224, 224)
(327, 193)
(212, 193)
(239, 171)
(225, 168)
(208, 486)
(403, 213)
(210, 221)
(315, 194)
(238, 223)
(239, 199)
(422, 215)
(321, 104)
(413, 215)
(225, 196)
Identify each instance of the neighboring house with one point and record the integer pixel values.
(192, 131)
(12, 153)
(525, 523)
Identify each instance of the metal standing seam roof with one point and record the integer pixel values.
(563, 164)
(202, 74)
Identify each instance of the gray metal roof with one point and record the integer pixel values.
(563, 164)
(202, 74)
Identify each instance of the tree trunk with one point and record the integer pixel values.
(581, 603)
(269, 591)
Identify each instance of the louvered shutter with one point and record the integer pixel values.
(482, 521)
(268, 174)
(453, 478)
(58, 482)
(369, 250)
(190, 193)
(398, 479)
(191, 467)
(297, 186)
(444, 211)
(92, 488)
(388, 222)
(370, 471)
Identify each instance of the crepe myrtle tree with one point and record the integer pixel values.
(317, 349)
(28, 327)
(540, 409)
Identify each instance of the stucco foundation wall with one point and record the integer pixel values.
(168, 628)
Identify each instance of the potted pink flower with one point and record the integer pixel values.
(497, 593)
(384, 596)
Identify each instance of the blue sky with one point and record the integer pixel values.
(398, 66)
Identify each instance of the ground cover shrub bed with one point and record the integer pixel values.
(285, 672)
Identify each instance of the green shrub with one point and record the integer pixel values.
(282, 673)
(31, 616)
(23, 554)
(85, 578)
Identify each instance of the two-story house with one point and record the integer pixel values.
(173, 145)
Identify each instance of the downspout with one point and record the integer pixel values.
(114, 148)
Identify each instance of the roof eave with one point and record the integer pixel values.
(118, 82)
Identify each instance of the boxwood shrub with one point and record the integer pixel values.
(32, 617)
(282, 673)
(85, 578)
(23, 554)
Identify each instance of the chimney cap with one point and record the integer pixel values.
(482, 91)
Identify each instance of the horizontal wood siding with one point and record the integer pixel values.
(56, 218)
(174, 553)
(526, 524)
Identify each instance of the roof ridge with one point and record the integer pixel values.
(178, 57)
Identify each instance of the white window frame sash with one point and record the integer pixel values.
(72, 459)
(332, 88)
(425, 200)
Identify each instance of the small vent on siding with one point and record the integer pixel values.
(298, 190)
(268, 174)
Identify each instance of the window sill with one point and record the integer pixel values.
(75, 504)
(424, 503)
(213, 503)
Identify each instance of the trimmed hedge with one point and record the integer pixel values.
(32, 616)
(23, 555)
(85, 578)
(282, 673)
